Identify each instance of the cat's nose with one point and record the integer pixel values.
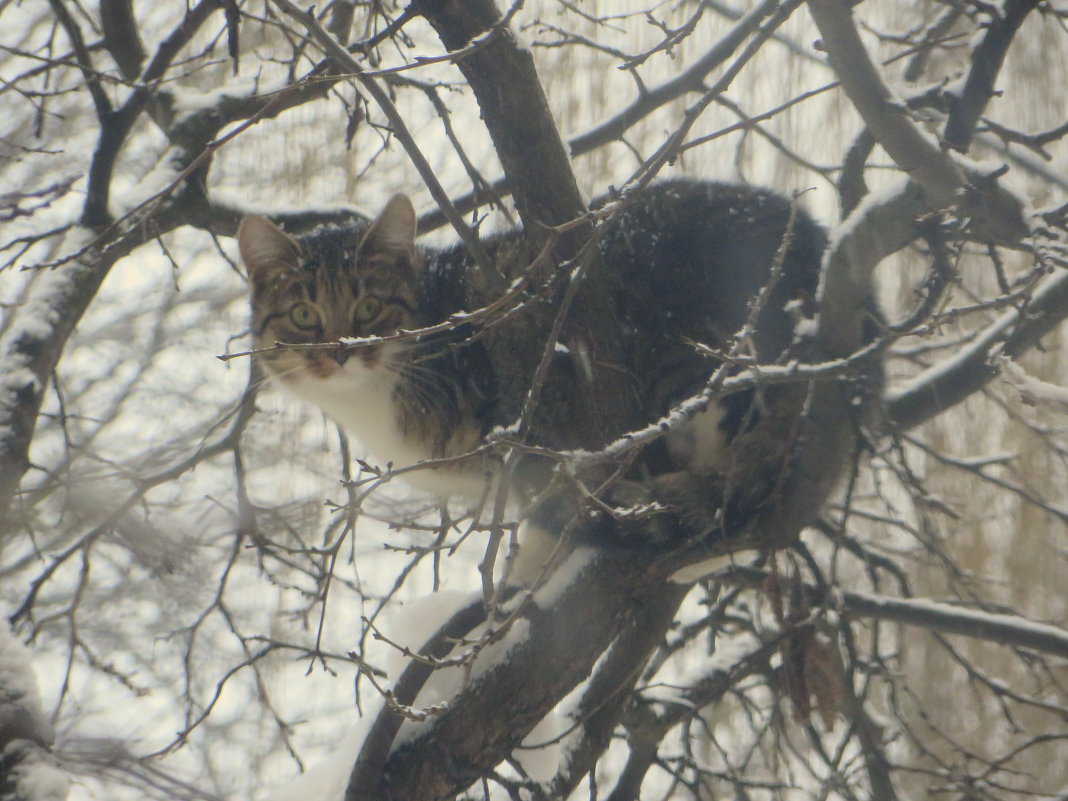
(341, 355)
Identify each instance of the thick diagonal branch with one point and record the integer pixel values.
(966, 106)
(610, 689)
(554, 646)
(514, 108)
(998, 215)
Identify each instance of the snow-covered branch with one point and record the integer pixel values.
(945, 182)
(28, 771)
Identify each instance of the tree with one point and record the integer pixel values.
(188, 597)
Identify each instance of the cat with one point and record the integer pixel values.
(683, 263)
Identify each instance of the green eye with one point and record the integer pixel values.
(368, 309)
(304, 315)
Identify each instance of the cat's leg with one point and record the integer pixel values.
(540, 553)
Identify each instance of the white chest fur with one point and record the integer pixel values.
(360, 400)
(700, 444)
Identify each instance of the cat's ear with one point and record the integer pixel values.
(392, 234)
(265, 248)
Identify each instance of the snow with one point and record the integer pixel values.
(568, 573)
(188, 102)
(504, 432)
(328, 779)
(874, 199)
(24, 724)
(729, 653)
(14, 381)
(18, 690)
(692, 411)
(445, 684)
(679, 415)
(698, 570)
(49, 290)
(410, 626)
(542, 748)
(521, 41)
(961, 620)
(265, 208)
(497, 653)
(806, 328)
(414, 622)
(154, 183)
(34, 320)
(38, 779)
(1033, 390)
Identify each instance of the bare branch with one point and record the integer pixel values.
(516, 112)
(951, 381)
(547, 656)
(1010, 630)
(945, 183)
(987, 58)
(690, 80)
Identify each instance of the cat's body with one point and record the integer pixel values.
(682, 263)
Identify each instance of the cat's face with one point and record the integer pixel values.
(333, 285)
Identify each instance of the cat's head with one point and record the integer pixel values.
(352, 282)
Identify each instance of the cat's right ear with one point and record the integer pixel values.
(393, 232)
(265, 248)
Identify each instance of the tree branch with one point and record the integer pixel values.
(515, 111)
(951, 381)
(31, 345)
(966, 107)
(647, 725)
(122, 37)
(115, 125)
(610, 689)
(1010, 630)
(27, 768)
(690, 80)
(560, 636)
(999, 214)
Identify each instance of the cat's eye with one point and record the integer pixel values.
(368, 309)
(304, 315)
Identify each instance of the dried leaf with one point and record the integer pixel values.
(794, 649)
(800, 608)
(825, 678)
(773, 589)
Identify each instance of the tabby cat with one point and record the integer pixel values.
(682, 264)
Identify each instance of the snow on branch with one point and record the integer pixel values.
(945, 182)
(27, 769)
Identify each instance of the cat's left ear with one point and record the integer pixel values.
(392, 234)
(265, 248)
